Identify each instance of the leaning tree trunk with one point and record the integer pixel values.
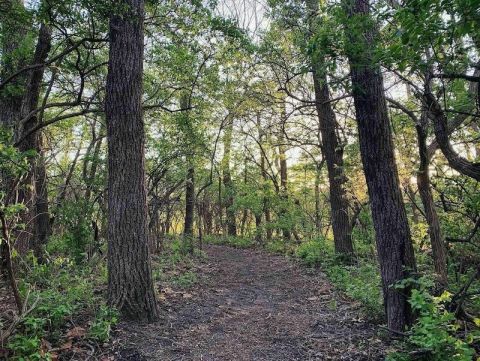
(424, 188)
(440, 126)
(332, 150)
(394, 245)
(130, 285)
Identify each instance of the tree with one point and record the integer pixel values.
(392, 233)
(227, 179)
(130, 285)
(331, 148)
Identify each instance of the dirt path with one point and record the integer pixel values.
(250, 305)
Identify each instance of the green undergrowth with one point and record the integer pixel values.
(64, 303)
(359, 279)
(175, 266)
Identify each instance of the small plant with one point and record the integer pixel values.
(26, 348)
(185, 280)
(312, 253)
(101, 326)
(56, 293)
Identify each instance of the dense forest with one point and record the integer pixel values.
(240, 180)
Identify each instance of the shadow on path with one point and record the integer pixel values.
(250, 305)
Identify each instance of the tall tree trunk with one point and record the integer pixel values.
(227, 179)
(189, 207)
(266, 207)
(282, 160)
(424, 188)
(29, 119)
(190, 178)
(333, 153)
(318, 216)
(394, 245)
(244, 219)
(331, 148)
(130, 285)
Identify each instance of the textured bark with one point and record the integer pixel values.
(89, 177)
(130, 285)
(258, 228)
(189, 207)
(424, 188)
(394, 246)
(190, 178)
(227, 180)
(318, 216)
(332, 151)
(266, 208)
(282, 162)
(29, 120)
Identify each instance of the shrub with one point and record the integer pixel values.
(436, 335)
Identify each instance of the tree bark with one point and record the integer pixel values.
(227, 180)
(332, 150)
(189, 207)
(266, 207)
(394, 245)
(318, 216)
(130, 285)
(34, 141)
(424, 188)
(282, 161)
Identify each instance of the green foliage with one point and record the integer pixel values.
(277, 246)
(436, 335)
(58, 292)
(101, 326)
(185, 280)
(313, 252)
(26, 348)
(75, 218)
(360, 281)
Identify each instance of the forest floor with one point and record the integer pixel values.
(252, 305)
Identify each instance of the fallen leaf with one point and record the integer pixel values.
(76, 332)
(66, 346)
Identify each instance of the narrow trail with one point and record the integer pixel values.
(250, 305)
